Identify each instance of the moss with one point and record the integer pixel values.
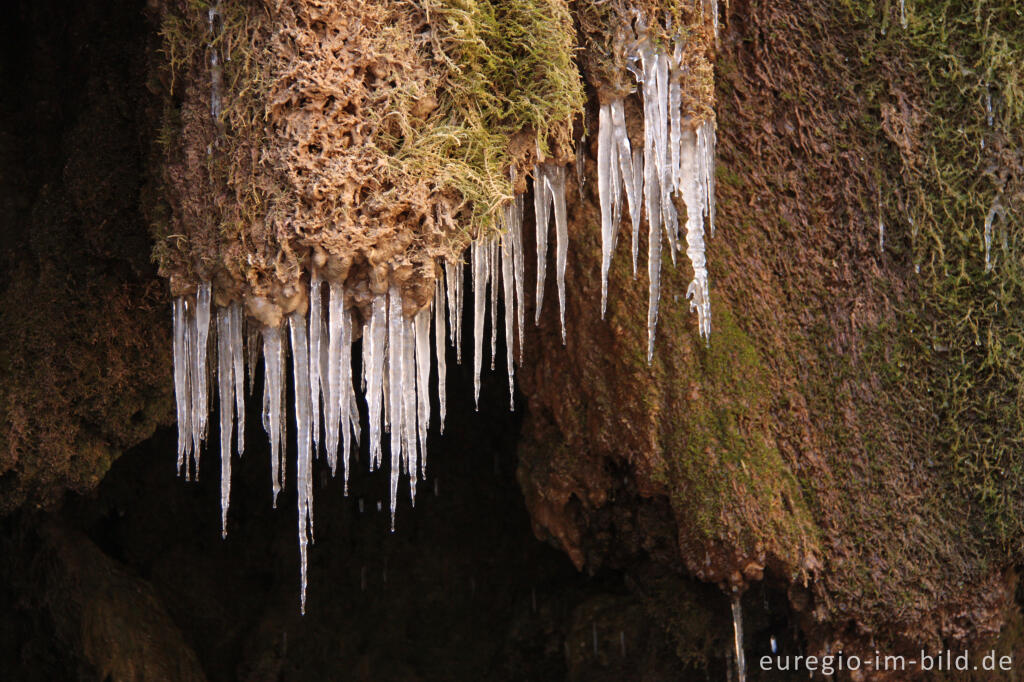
(726, 474)
(952, 164)
(392, 146)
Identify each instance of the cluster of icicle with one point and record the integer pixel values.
(395, 360)
(678, 158)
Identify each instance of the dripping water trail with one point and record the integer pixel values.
(737, 632)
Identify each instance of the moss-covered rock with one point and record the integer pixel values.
(853, 425)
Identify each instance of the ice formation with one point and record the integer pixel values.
(995, 211)
(678, 160)
(398, 351)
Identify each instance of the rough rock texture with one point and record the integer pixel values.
(107, 621)
(817, 442)
(83, 321)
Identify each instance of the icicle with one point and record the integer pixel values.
(409, 406)
(198, 326)
(480, 277)
(616, 186)
(628, 172)
(422, 324)
(661, 140)
(638, 185)
(903, 13)
(353, 415)
(706, 157)
(542, 215)
(387, 389)
(606, 159)
(693, 197)
(439, 352)
(508, 288)
(450, 272)
(460, 303)
(273, 378)
(396, 389)
(333, 395)
(493, 270)
(315, 324)
(377, 338)
(515, 228)
(225, 385)
(652, 195)
(252, 350)
(556, 184)
(304, 460)
(238, 369)
(345, 394)
(995, 210)
(737, 633)
(202, 344)
(675, 115)
(325, 363)
(216, 76)
(282, 417)
(182, 391)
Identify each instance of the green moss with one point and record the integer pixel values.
(963, 55)
(720, 454)
(510, 69)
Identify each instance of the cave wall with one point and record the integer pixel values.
(84, 325)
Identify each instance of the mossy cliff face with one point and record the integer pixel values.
(852, 429)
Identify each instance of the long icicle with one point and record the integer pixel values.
(515, 228)
(377, 339)
(192, 355)
(304, 460)
(272, 379)
(315, 325)
(556, 183)
(409, 407)
(344, 395)
(693, 197)
(494, 270)
(396, 351)
(460, 306)
(439, 351)
(606, 157)
(182, 391)
(542, 216)
(333, 395)
(508, 288)
(638, 185)
(238, 369)
(203, 302)
(226, 405)
(480, 261)
(422, 325)
(631, 176)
